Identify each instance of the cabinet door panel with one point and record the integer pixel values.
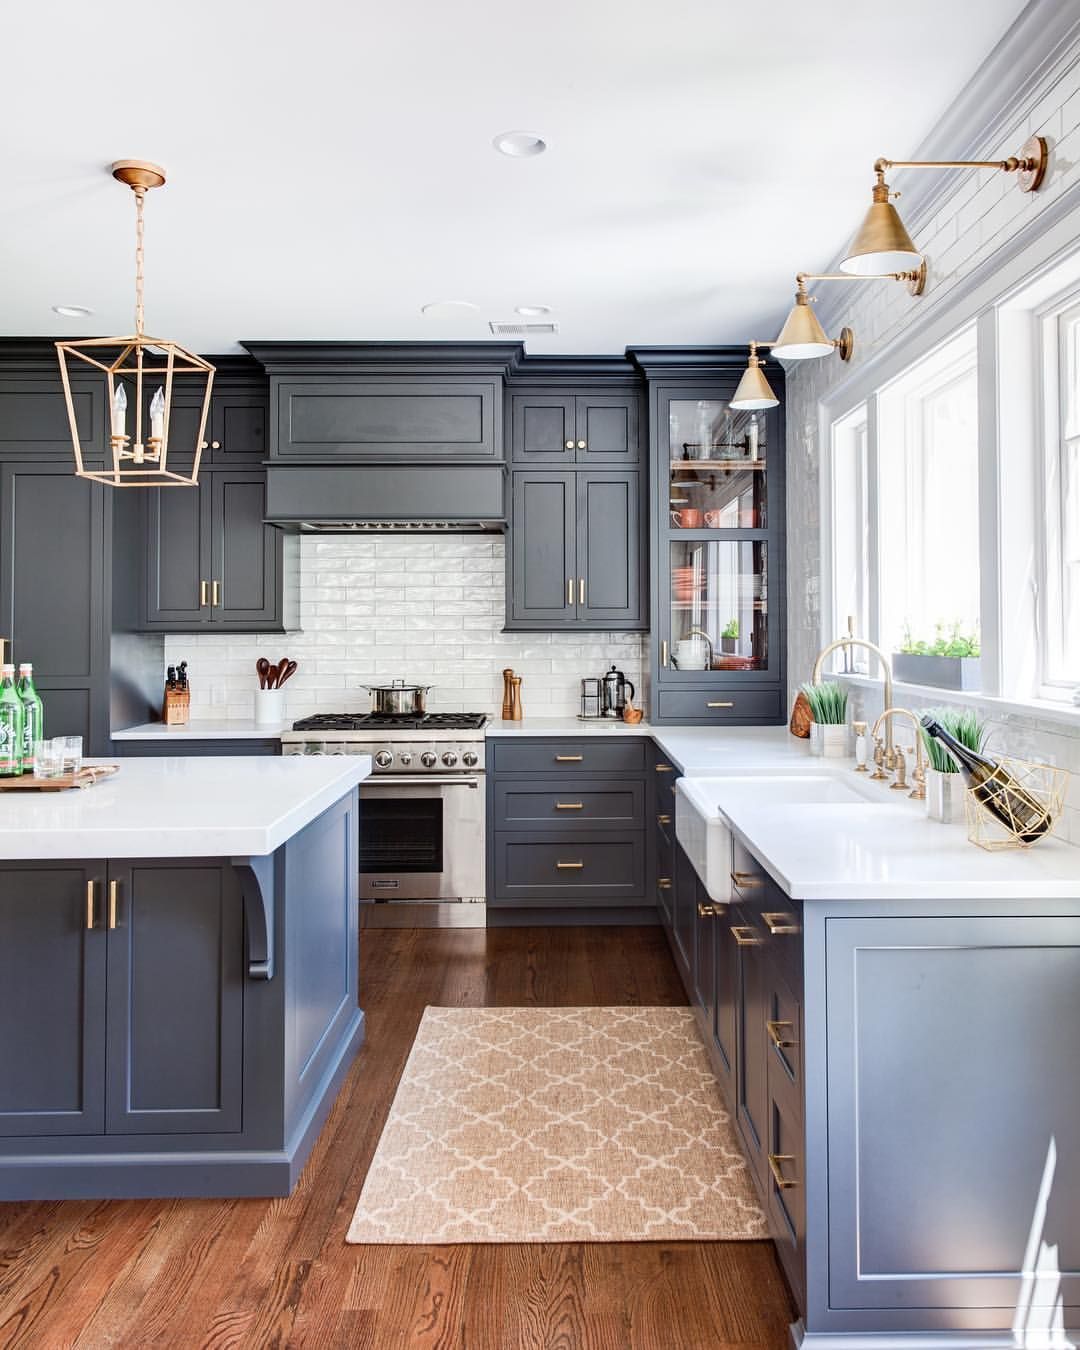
(177, 555)
(704, 950)
(52, 1000)
(245, 552)
(751, 1091)
(608, 424)
(684, 916)
(238, 425)
(175, 1006)
(609, 552)
(541, 426)
(725, 998)
(543, 548)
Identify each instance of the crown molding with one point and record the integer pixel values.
(698, 363)
(399, 358)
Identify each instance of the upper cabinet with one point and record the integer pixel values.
(575, 428)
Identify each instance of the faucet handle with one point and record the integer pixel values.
(879, 775)
(901, 770)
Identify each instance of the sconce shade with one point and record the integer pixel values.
(802, 337)
(753, 390)
(881, 243)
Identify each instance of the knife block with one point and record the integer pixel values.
(176, 708)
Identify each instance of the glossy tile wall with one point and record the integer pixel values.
(427, 610)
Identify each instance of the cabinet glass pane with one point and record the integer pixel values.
(719, 604)
(717, 475)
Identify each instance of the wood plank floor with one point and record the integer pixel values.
(255, 1273)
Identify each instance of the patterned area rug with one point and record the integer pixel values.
(557, 1125)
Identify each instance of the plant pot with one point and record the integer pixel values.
(945, 794)
(269, 706)
(829, 739)
(943, 672)
(729, 645)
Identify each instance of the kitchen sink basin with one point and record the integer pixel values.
(702, 828)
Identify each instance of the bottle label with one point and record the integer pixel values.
(9, 751)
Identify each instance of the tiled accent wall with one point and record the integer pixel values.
(426, 610)
(984, 213)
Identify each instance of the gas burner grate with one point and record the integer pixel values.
(385, 722)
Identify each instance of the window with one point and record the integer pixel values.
(850, 524)
(928, 499)
(1061, 554)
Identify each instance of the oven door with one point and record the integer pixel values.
(422, 838)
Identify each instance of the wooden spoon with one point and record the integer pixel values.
(262, 668)
(287, 672)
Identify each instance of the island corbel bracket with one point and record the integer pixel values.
(256, 877)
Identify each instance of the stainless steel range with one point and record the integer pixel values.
(422, 814)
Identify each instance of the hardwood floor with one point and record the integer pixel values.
(222, 1273)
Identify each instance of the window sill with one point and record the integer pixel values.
(1046, 710)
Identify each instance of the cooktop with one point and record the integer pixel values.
(388, 722)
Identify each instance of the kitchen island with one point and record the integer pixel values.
(178, 976)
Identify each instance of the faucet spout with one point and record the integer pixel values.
(886, 669)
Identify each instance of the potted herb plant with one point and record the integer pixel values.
(729, 636)
(948, 662)
(828, 707)
(945, 784)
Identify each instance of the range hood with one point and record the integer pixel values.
(396, 526)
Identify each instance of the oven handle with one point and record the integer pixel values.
(418, 780)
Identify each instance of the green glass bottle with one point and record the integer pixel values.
(11, 725)
(33, 715)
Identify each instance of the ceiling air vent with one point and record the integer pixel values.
(518, 328)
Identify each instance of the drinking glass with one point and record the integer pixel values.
(70, 753)
(48, 758)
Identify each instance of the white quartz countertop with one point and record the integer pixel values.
(203, 731)
(566, 726)
(181, 806)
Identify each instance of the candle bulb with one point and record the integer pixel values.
(119, 411)
(157, 416)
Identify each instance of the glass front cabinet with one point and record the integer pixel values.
(718, 548)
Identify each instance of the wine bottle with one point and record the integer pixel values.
(33, 715)
(995, 788)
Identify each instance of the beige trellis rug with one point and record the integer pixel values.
(557, 1125)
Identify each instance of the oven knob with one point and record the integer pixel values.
(450, 758)
(384, 759)
(405, 758)
(429, 759)
(470, 759)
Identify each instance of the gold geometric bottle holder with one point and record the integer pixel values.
(1038, 790)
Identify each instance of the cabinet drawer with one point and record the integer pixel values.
(554, 871)
(785, 1180)
(721, 705)
(601, 804)
(593, 755)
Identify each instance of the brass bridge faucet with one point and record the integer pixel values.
(852, 641)
(918, 777)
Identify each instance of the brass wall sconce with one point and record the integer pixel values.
(883, 245)
(802, 336)
(753, 390)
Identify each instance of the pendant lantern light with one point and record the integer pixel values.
(753, 390)
(140, 374)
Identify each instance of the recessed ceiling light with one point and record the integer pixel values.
(519, 144)
(72, 311)
(448, 309)
(532, 311)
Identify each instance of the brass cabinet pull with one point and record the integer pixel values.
(569, 866)
(569, 806)
(114, 891)
(569, 759)
(746, 881)
(581, 590)
(778, 924)
(705, 911)
(581, 445)
(215, 594)
(729, 704)
(776, 1035)
(215, 445)
(664, 652)
(204, 594)
(775, 1160)
(664, 768)
(569, 590)
(91, 888)
(663, 883)
(744, 935)
(569, 445)
(663, 820)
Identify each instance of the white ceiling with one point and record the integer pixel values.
(331, 170)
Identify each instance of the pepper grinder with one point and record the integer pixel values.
(508, 695)
(516, 712)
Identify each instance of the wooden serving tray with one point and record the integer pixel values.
(85, 778)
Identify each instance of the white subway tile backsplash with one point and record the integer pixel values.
(424, 610)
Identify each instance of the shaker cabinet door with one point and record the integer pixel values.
(544, 585)
(610, 551)
(52, 980)
(542, 429)
(607, 428)
(245, 553)
(178, 557)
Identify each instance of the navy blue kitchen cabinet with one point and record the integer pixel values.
(598, 427)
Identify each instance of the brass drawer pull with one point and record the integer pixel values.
(663, 884)
(744, 935)
(215, 594)
(706, 911)
(90, 891)
(664, 653)
(581, 590)
(114, 891)
(729, 704)
(569, 806)
(746, 881)
(569, 590)
(775, 1160)
(664, 768)
(663, 820)
(569, 866)
(776, 1035)
(204, 594)
(778, 924)
(569, 759)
